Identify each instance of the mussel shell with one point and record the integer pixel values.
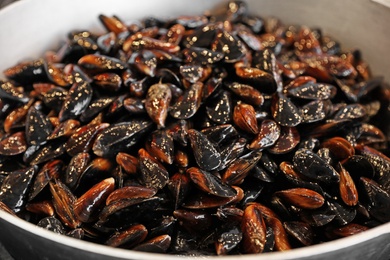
(119, 137)
(10, 92)
(15, 188)
(379, 200)
(209, 183)
(206, 155)
(27, 72)
(227, 240)
(219, 109)
(38, 127)
(13, 144)
(285, 112)
(76, 102)
(188, 104)
(312, 166)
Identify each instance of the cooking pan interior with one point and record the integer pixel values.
(41, 25)
(29, 27)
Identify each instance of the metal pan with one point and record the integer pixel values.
(29, 27)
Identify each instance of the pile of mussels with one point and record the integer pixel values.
(203, 134)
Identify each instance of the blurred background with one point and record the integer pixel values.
(5, 2)
(3, 253)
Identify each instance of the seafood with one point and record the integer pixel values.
(214, 134)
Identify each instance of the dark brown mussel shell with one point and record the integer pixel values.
(285, 112)
(289, 138)
(66, 128)
(97, 63)
(339, 147)
(76, 102)
(179, 185)
(187, 104)
(244, 116)
(209, 183)
(134, 106)
(44, 208)
(239, 168)
(53, 224)
(119, 137)
(220, 108)
(130, 192)
(57, 75)
(121, 213)
(345, 231)
(263, 81)
(13, 144)
(95, 107)
(249, 38)
(378, 199)
(195, 221)
(85, 207)
(202, 200)
(247, 93)
(347, 187)
(75, 169)
(229, 44)
(202, 36)
(202, 56)
(179, 131)
(16, 117)
(145, 62)
(9, 91)
(302, 198)
(312, 166)
(54, 98)
(269, 133)
(40, 154)
(149, 43)
(295, 178)
(113, 24)
(300, 231)
(129, 237)
(380, 164)
(353, 111)
(49, 171)
(38, 127)
(108, 81)
(63, 201)
(192, 73)
(128, 162)
(343, 214)
(355, 92)
(83, 138)
(157, 102)
(153, 174)
(253, 230)
(174, 34)
(206, 155)
(27, 72)
(230, 214)
(314, 111)
(212, 87)
(15, 188)
(221, 133)
(159, 244)
(107, 42)
(312, 91)
(230, 152)
(160, 145)
(228, 239)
